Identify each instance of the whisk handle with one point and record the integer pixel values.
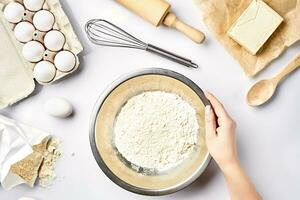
(171, 56)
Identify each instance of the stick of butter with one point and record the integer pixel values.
(255, 26)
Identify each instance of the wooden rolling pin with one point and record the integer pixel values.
(158, 12)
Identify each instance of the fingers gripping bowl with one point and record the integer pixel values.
(113, 164)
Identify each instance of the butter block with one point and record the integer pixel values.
(255, 26)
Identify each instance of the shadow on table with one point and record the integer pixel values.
(201, 183)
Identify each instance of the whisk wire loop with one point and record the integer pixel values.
(104, 33)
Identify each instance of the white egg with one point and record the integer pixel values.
(26, 198)
(58, 107)
(24, 31)
(33, 5)
(33, 51)
(54, 40)
(65, 61)
(43, 20)
(44, 71)
(13, 12)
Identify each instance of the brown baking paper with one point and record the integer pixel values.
(219, 15)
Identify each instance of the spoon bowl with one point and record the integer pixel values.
(261, 92)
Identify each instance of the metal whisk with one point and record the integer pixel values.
(104, 33)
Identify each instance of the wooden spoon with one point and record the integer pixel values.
(263, 90)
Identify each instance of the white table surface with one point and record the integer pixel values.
(268, 137)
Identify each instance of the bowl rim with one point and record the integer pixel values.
(93, 121)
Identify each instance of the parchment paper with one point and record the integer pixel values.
(219, 15)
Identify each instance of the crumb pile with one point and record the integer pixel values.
(39, 165)
(47, 170)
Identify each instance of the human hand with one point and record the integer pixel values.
(220, 140)
(220, 134)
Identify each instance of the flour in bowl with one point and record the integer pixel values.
(156, 130)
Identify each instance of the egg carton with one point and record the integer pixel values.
(61, 24)
(16, 73)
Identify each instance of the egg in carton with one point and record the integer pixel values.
(47, 39)
(41, 43)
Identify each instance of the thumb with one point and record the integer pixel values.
(210, 122)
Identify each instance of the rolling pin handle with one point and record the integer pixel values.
(172, 21)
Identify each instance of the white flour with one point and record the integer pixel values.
(156, 130)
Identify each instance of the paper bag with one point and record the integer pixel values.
(18, 142)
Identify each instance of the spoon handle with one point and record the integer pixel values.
(293, 65)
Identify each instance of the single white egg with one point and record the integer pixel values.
(43, 20)
(44, 71)
(24, 31)
(58, 107)
(33, 5)
(26, 198)
(54, 40)
(33, 51)
(65, 61)
(13, 12)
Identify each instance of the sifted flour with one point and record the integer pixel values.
(156, 130)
